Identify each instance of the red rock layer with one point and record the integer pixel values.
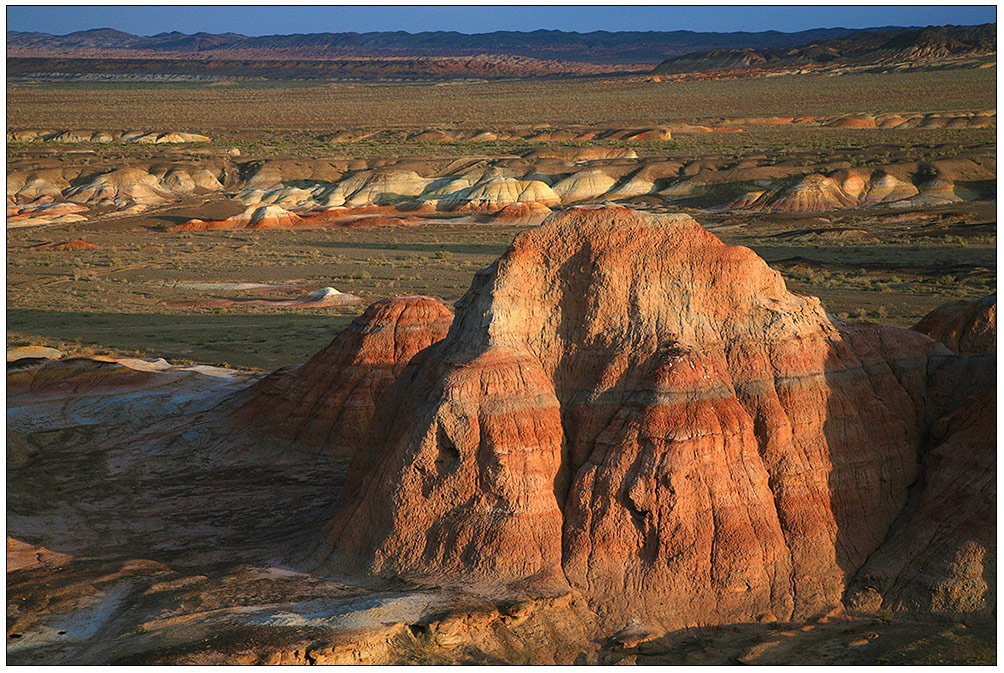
(628, 407)
(325, 404)
(964, 326)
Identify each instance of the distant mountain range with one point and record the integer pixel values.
(864, 47)
(599, 47)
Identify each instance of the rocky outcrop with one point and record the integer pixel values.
(43, 191)
(494, 194)
(530, 214)
(940, 556)
(584, 185)
(326, 404)
(253, 217)
(629, 409)
(325, 192)
(627, 428)
(964, 326)
(78, 136)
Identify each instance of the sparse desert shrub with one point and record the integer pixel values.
(884, 617)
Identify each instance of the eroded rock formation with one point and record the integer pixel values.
(305, 193)
(964, 326)
(630, 409)
(325, 404)
(253, 217)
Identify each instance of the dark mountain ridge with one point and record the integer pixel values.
(593, 47)
(932, 42)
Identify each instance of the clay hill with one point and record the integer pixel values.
(925, 45)
(335, 191)
(627, 428)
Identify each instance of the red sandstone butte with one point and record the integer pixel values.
(325, 404)
(964, 326)
(628, 408)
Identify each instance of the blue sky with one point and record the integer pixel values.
(269, 20)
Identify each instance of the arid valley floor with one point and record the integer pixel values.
(624, 401)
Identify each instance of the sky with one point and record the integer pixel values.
(274, 19)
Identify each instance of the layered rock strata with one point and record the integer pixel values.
(325, 405)
(628, 408)
(281, 193)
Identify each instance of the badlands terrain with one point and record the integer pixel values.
(605, 369)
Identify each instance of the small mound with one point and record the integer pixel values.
(329, 295)
(33, 352)
(797, 264)
(852, 123)
(431, 136)
(530, 214)
(494, 194)
(254, 217)
(813, 192)
(583, 186)
(966, 327)
(78, 375)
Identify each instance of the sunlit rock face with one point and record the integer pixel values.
(629, 408)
